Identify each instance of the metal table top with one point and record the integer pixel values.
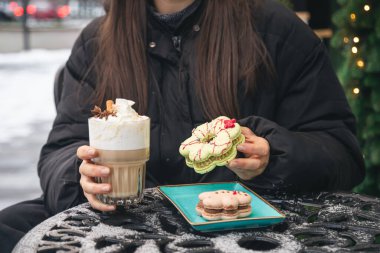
(324, 222)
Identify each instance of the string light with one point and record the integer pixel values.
(360, 64)
(356, 39)
(367, 7)
(353, 16)
(346, 40)
(356, 91)
(354, 50)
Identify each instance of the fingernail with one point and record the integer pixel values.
(105, 171)
(91, 151)
(240, 148)
(106, 188)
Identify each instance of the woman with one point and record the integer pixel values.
(185, 62)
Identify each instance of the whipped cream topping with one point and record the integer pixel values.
(124, 110)
(127, 130)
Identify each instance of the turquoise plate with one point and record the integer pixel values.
(185, 198)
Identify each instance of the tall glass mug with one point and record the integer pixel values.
(122, 138)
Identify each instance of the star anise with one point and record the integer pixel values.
(98, 113)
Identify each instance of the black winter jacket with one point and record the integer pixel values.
(304, 115)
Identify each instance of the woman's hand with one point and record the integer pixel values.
(88, 171)
(256, 151)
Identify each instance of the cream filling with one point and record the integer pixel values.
(220, 157)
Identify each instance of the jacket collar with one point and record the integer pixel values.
(160, 40)
(175, 20)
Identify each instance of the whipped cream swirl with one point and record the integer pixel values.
(127, 130)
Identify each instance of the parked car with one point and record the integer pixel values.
(6, 10)
(38, 9)
(43, 9)
(4, 16)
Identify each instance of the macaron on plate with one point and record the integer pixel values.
(186, 197)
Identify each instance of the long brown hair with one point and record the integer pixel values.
(228, 50)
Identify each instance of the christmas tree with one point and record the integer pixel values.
(358, 40)
(287, 3)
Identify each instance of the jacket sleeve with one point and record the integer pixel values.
(58, 165)
(312, 135)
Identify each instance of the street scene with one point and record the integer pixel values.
(48, 25)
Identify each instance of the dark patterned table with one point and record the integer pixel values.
(325, 222)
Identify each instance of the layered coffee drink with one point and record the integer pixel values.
(121, 137)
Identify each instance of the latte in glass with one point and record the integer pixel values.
(121, 137)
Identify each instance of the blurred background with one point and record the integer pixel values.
(32, 48)
(36, 37)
